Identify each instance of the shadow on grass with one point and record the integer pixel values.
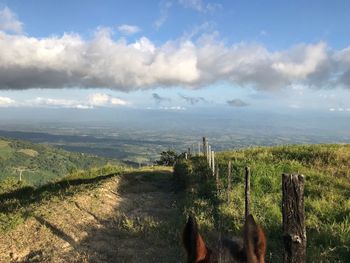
(25, 196)
(145, 225)
(56, 231)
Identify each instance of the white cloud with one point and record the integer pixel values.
(102, 62)
(98, 99)
(173, 108)
(164, 13)
(117, 101)
(6, 102)
(144, 44)
(9, 21)
(340, 109)
(300, 61)
(128, 29)
(194, 4)
(200, 5)
(52, 102)
(102, 99)
(92, 101)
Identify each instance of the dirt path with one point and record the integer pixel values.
(128, 218)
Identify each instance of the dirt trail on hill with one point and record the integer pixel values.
(128, 218)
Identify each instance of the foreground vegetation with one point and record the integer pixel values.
(128, 215)
(327, 201)
(18, 201)
(327, 196)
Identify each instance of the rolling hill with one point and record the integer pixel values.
(38, 164)
(79, 216)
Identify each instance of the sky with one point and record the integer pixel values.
(175, 55)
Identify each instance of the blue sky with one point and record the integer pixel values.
(175, 54)
(277, 24)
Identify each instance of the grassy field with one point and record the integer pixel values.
(327, 196)
(88, 215)
(38, 164)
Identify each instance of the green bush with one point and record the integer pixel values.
(167, 158)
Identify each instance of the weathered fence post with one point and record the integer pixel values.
(209, 156)
(186, 156)
(204, 146)
(293, 211)
(247, 191)
(207, 151)
(199, 149)
(217, 178)
(228, 180)
(189, 151)
(213, 161)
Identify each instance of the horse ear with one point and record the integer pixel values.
(194, 243)
(254, 241)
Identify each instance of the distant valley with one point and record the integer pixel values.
(138, 136)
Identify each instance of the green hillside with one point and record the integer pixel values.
(219, 213)
(327, 195)
(38, 164)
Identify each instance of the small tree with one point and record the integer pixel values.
(167, 158)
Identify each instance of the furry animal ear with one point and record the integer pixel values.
(194, 243)
(254, 241)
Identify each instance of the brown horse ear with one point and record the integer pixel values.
(194, 243)
(254, 241)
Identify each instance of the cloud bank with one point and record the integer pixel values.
(92, 101)
(103, 62)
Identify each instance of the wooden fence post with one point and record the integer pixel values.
(209, 156)
(199, 149)
(217, 178)
(293, 211)
(213, 161)
(247, 191)
(204, 146)
(228, 180)
(207, 151)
